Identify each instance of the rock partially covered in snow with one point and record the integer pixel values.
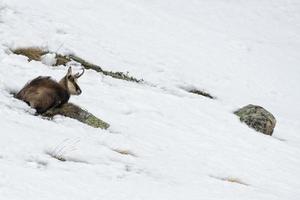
(49, 59)
(257, 118)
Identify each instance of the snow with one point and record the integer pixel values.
(183, 146)
(49, 59)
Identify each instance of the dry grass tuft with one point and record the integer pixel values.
(231, 180)
(125, 152)
(202, 93)
(32, 53)
(234, 180)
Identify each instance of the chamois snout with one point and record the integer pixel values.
(78, 91)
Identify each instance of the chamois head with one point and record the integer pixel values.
(69, 81)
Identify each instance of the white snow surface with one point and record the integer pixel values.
(182, 146)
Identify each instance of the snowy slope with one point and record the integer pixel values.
(182, 145)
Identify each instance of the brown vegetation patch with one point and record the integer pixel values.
(35, 53)
(75, 112)
(32, 53)
(201, 92)
(61, 60)
(117, 75)
(124, 152)
(231, 180)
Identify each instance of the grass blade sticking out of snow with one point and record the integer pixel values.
(62, 149)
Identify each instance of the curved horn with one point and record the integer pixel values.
(77, 75)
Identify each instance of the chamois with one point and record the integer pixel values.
(43, 93)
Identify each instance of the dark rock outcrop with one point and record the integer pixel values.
(75, 112)
(257, 118)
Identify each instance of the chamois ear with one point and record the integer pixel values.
(69, 71)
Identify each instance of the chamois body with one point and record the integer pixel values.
(44, 93)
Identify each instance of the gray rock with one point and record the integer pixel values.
(257, 118)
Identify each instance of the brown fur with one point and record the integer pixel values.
(43, 93)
